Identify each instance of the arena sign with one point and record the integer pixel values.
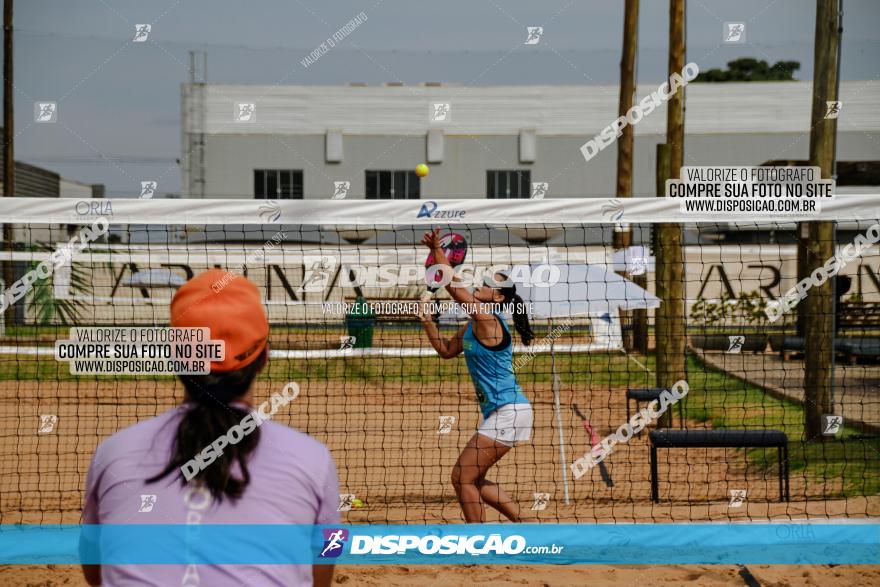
(294, 287)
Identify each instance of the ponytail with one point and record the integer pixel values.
(209, 417)
(521, 319)
(518, 309)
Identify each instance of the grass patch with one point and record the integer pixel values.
(726, 402)
(600, 370)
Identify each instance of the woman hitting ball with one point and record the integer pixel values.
(488, 350)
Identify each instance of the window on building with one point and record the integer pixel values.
(392, 185)
(509, 183)
(278, 184)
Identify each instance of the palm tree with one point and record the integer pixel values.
(46, 307)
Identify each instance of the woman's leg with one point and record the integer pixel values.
(471, 486)
(496, 497)
(491, 493)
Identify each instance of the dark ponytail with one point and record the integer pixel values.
(521, 319)
(519, 310)
(209, 417)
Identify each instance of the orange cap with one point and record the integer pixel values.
(230, 306)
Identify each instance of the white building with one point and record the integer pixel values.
(491, 141)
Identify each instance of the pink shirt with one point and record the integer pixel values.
(293, 481)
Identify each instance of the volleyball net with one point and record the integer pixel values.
(341, 283)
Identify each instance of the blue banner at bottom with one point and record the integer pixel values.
(641, 544)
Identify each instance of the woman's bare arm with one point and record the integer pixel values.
(446, 348)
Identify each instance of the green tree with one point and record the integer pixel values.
(749, 69)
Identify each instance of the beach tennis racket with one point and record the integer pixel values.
(594, 440)
(455, 247)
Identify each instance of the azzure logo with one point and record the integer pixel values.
(429, 210)
(334, 540)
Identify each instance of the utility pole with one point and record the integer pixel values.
(8, 144)
(622, 237)
(627, 91)
(818, 246)
(670, 316)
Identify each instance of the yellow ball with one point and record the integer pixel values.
(356, 503)
(422, 170)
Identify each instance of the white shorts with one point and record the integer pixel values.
(508, 424)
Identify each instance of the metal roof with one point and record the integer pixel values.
(712, 108)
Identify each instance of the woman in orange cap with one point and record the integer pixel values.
(271, 474)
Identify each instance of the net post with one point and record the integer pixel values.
(669, 258)
(558, 410)
(622, 235)
(819, 307)
(670, 335)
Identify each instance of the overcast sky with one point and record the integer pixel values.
(119, 101)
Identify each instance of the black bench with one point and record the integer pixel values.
(852, 348)
(649, 394)
(860, 316)
(858, 348)
(797, 344)
(859, 320)
(672, 438)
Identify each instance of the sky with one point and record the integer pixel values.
(119, 101)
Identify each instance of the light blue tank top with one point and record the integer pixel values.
(492, 371)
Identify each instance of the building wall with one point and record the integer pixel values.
(230, 161)
(33, 182)
(74, 189)
(386, 128)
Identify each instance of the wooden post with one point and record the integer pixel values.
(622, 237)
(670, 323)
(8, 143)
(627, 91)
(675, 107)
(669, 317)
(819, 304)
